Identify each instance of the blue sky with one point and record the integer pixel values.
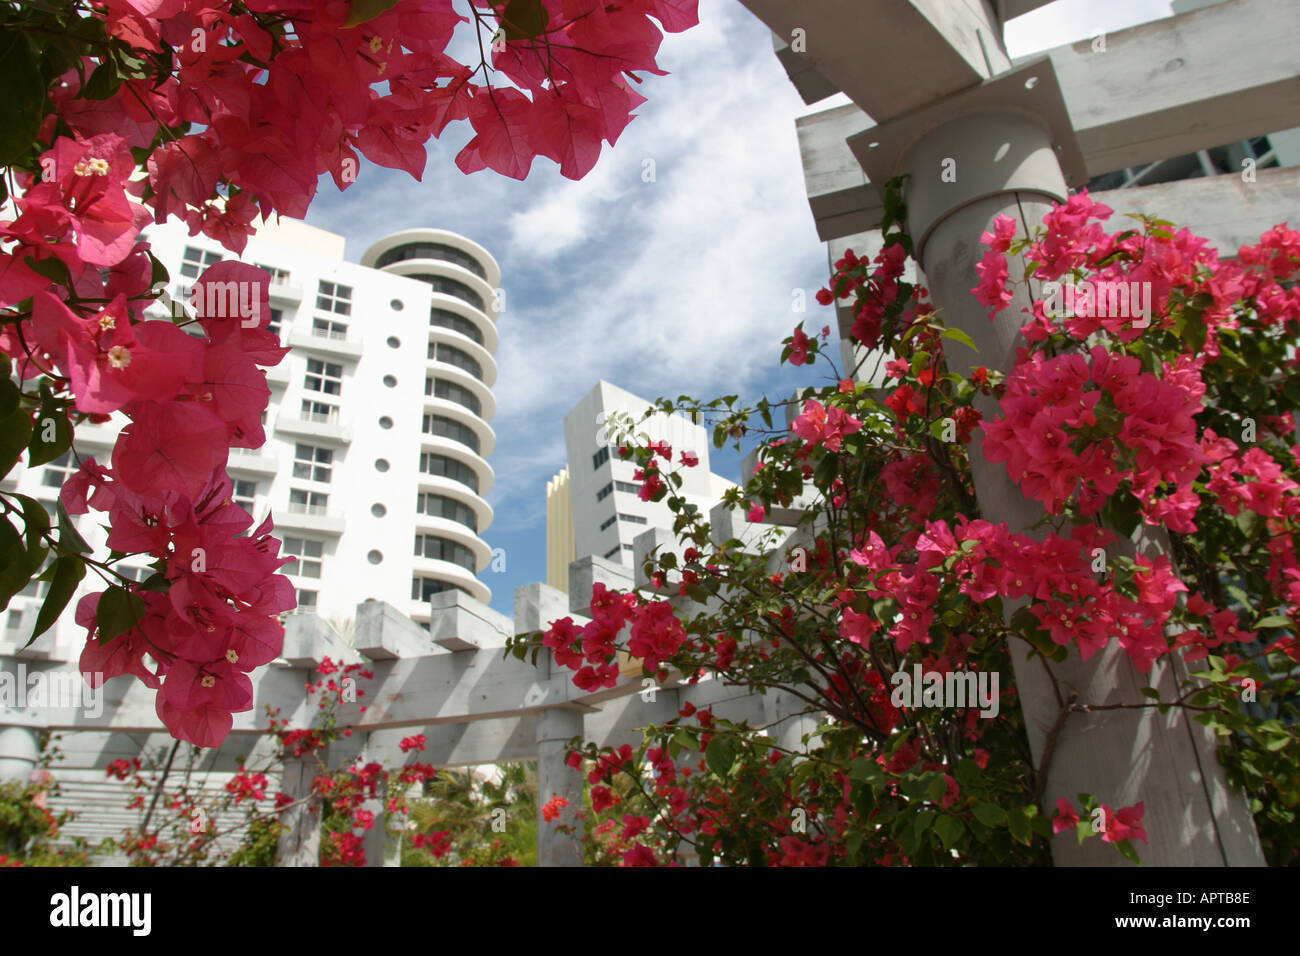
(678, 286)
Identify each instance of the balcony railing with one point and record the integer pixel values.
(302, 508)
(321, 418)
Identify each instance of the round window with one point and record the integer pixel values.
(385, 422)
(378, 510)
(394, 342)
(390, 381)
(374, 557)
(381, 464)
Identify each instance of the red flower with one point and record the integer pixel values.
(407, 744)
(1065, 817)
(639, 855)
(551, 809)
(799, 347)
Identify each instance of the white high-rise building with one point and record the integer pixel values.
(375, 464)
(593, 505)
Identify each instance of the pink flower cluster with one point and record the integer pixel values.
(1070, 421)
(1072, 603)
(880, 288)
(655, 635)
(167, 494)
(828, 427)
(1124, 824)
(992, 289)
(277, 92)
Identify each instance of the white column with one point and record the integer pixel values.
(1005, 165)
(20, 748)
(555, 727)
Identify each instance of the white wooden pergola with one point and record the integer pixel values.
(930, 80)
(451, 683)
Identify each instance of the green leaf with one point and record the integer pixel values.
(361, 11)
(524, 19)
(51, 432)
(720, 755)
(864, 768)
(119, 611)
(957, 335)
(1122, 513)
(1126, 849)
(864, 800)
(69, 538)
(990, 814)
(15, 430)
(950, 830)
(23, 105)
(67, 574)
(103, 83)
(1019, 825)
(10, 394)
(14, 566)
(36, 521)
(159, 583)
(1273, 620)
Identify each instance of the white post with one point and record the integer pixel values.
(555, 727)
(299, 843)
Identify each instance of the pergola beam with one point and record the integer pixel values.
(1202, 79)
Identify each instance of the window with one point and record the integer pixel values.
(58, 471)
(245, 492)
(274, 325)
(451, 287)
(306, 598)
(441, 388)
(431, 546)
(629, 548)
(443, 467)
(335, 298)
(605, 492)
(440, 506)
(194, 261)
(441, 427)
(306, 553)
(627, 486)
(431, 250)
(278, 276)
(314, 464)
(600, 457)
(424, 588)
(608, 523)
(612, 551)
(324, 377)
(320, 412)
(457, 323)
(307, 502)
(328, 329)
(454, 356)
(632, 519)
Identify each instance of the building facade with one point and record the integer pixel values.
(374, 469)
(597, 488)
